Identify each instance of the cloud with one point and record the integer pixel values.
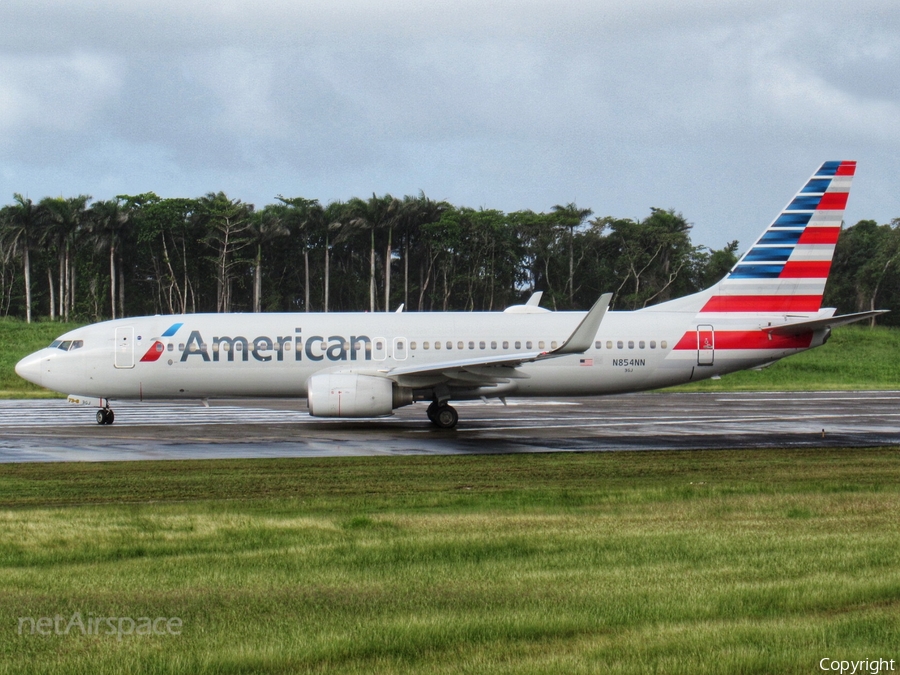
(708, 107)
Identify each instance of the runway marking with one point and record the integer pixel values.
(657, 421)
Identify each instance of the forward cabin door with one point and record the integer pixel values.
(706, 345)
(125, 347)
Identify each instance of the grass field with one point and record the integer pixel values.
(682, 562)
(856, 357)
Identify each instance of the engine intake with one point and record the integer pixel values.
(354, 395)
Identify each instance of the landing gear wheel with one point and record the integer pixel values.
(432, 409)
(446, 417)
(105, 416)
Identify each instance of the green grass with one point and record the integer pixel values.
(680, 562)
(18, 339)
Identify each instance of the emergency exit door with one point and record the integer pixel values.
(706, 345)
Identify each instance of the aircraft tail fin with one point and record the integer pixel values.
(785, 271)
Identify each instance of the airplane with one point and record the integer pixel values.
(363, 365)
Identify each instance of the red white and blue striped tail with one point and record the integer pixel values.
(786, 269)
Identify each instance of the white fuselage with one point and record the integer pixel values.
(273, 355)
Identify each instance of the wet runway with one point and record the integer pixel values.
(50, 431)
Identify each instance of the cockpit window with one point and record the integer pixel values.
(66, 345)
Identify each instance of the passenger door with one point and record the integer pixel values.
(124, 347)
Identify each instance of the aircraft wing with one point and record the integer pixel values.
(818, 324)
(491, 369)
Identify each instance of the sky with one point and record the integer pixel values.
(719, 109)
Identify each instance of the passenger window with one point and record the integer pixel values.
(425, 344)
(518, 345)
(619, 344)
(449, 344)
(399, 345)
(553, 344)
(631, 344)
(460, 345)
(598, 344)
(641, 344)
(493, 345)
(412, 346)
(505, 344)
(540, 344)
(609, 344)
(528, 344)
(378, 345)
(663, 345)
(170, 347)
(481, 344)
(652, 344)
(437, 345)
(471, 345)
(215, 346)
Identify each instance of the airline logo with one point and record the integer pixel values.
(786, 269)
(157, 348)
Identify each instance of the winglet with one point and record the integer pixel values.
(583, 337)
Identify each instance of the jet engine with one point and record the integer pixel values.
(354, 395)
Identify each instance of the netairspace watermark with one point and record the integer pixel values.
(120, 626)
(861, 667)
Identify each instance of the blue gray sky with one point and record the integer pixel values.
(719, 109)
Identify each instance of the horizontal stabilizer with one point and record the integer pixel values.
(818, 324)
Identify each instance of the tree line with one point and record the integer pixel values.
(74, 259)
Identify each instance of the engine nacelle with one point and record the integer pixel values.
(354, 395)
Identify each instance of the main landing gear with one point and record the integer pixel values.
(442, 415)
(105, 416)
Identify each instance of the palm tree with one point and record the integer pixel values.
(416, 212)
(265, 227)
(109, 225)
(304, 217)
(378, 213)
(63, 221)
(334, 221)
(21, 231)
(571, 218)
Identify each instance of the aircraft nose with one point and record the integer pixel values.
(29, 368)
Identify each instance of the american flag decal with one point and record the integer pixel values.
(586, 362)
